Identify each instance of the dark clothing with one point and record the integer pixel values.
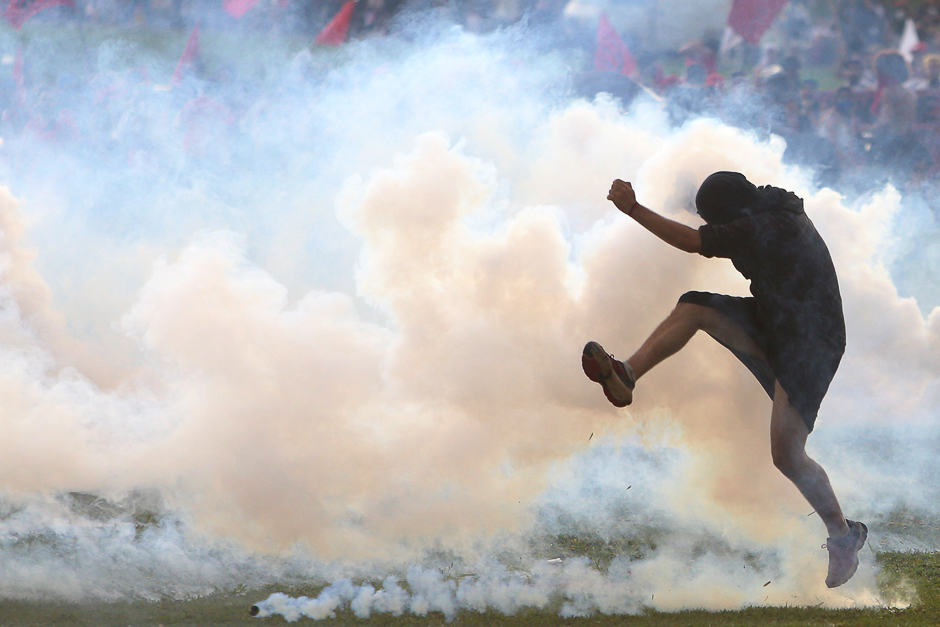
(900, 155)
(725, 196)
(795, 315)
(744, 312)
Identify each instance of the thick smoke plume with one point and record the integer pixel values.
(356, 345)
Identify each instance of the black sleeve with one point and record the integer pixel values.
(726, 240)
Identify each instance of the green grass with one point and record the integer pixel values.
(901, 572)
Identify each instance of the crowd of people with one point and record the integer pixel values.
(874, 119)
(852, 100)
(879, 122)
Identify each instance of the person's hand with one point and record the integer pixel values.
(622, 195)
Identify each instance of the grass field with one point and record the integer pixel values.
(899, 571)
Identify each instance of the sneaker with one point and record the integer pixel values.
(843, 553)
(615, 376)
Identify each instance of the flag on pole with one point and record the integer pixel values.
(752, 18)
(334, 33)
(238, 8)
(612, 53)
(190, 52)
(18, 11)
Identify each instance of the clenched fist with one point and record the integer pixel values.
(622, 195)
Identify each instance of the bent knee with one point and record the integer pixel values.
(789, 460)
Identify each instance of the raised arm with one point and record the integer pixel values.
(673, 233)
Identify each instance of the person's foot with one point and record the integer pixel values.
(843, 553)
(615, 376)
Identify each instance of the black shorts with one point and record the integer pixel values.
(805, 379)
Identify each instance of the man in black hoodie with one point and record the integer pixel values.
(790, 333)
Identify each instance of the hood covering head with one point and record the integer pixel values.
(725, 196)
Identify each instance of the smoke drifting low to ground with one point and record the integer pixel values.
(345, 347)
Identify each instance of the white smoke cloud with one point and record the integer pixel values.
(360, 344)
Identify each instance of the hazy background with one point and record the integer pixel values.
(339, 336)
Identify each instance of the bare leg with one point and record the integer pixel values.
(788, 432)
(788, 435)
(676, 330)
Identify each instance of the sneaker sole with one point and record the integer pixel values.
(599, 368)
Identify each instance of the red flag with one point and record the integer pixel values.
(612, 53)
(751, 18)
(190, 52)
(18, 11)
(334, 33)
(237, 8)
